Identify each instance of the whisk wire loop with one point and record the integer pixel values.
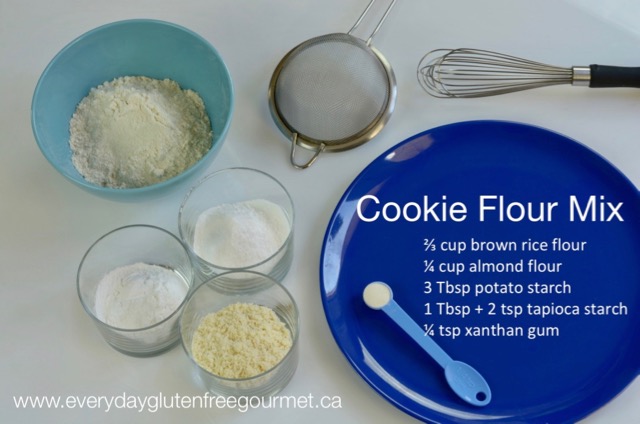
(478, 73)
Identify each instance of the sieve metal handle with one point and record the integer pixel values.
(294, 143)
(380, 22)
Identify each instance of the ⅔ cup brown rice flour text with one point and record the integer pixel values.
(136, 131)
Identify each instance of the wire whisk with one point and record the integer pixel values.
(479, 73)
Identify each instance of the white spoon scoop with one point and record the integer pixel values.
(463, 379)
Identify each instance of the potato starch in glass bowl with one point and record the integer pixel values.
(138, 295)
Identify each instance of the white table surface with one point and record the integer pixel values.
(50, 347)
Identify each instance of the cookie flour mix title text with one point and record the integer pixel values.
(594, 208)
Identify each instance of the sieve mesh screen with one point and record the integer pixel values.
(332, 88)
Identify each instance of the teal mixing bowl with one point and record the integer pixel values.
(139, 47)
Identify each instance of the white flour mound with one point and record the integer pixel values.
(137, 131)
(242, 234)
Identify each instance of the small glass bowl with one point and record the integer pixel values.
(127, 246)
(230, 187)
(211, 297)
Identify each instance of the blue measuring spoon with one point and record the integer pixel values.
(463, 379)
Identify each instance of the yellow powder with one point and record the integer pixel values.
(241, 340)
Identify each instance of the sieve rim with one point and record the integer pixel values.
(345, 143)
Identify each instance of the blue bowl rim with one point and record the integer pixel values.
(218, 137)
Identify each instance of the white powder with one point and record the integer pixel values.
(377, 295)
(241, 340)
(138, 295)
(137, 131)
(238, 235)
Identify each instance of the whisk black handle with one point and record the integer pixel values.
(603, 76)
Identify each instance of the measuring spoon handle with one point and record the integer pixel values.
(397, 314)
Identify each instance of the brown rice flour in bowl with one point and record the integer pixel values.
(136, 131)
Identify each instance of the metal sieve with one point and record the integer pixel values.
(333, 92)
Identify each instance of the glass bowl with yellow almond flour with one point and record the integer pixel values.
(241, 342)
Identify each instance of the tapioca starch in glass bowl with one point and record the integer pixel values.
(135, 131)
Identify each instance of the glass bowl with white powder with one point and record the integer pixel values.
(241, 343)
(133, 282)
(238, 219)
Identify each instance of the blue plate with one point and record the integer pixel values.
(516, 248)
